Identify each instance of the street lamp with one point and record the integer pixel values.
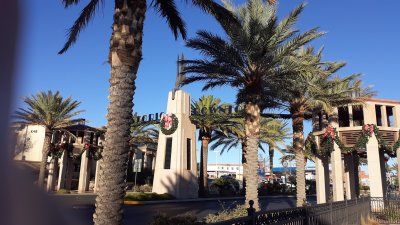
(216, 161)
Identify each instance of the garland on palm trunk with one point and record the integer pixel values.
(331, 136)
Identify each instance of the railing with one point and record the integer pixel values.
(336, 213)
(386, 210)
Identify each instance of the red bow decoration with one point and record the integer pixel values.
(330, 131)
(369, 129)
(167, 121)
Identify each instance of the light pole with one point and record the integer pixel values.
(216, 162)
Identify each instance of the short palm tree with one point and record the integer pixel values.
(51, 111)
(272, 132)
(279, 133)
(144, 133)
(208, 116)
(124, 57)
(313, 87)
(289, 154)
(249, 60)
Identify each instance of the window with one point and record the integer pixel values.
(389, 115)
(344, 118)
(188, 153)
(358, 115)
(322, 120)
(378, 113)
(168, 150)
(91, 138)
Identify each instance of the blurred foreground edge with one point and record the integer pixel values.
(21, 203)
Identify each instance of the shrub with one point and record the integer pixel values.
(227, 214)
(392, 214)
(145, 188)
(63, 191)
(185, 219)
(226, 186)
(141, 196)
(142, 188)
(365, 188)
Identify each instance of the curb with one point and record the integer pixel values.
(133, 203)
(198, 200)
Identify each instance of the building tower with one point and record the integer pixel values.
(176, 170)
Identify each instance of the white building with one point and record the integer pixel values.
(218, 170)
(65, 172)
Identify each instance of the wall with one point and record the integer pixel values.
(29, 143)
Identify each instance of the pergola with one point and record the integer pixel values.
(369, 130)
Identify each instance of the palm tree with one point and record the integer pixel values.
(289, 154)
(313, 87)
(272, 132)
(124, 57)
(280, 132)
(208, 116)
(144, 133)
(249, 60)
(52, 111)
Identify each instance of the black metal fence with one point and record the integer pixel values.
(336, 213)
(386, 210)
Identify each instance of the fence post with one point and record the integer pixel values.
(250, 212)
(331, 213)
(347, 211)
(306, 216)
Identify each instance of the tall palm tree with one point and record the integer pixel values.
(313, 87)
(51, 111)
(249, 60)
(124, 57)
(208, 116)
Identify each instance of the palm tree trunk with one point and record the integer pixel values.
(203, 166)
(271, 160)
(125, 56)
(298, 145)
(244, 164)
(252, 127)
(45, 151)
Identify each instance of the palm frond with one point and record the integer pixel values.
(48, 109)
(80, 23)
(168, 10)
(68, 3)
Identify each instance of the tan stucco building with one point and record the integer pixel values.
(75, 169)
(349, 122)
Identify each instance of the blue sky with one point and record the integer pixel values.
(364, 33)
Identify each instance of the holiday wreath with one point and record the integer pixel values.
(168, 124)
